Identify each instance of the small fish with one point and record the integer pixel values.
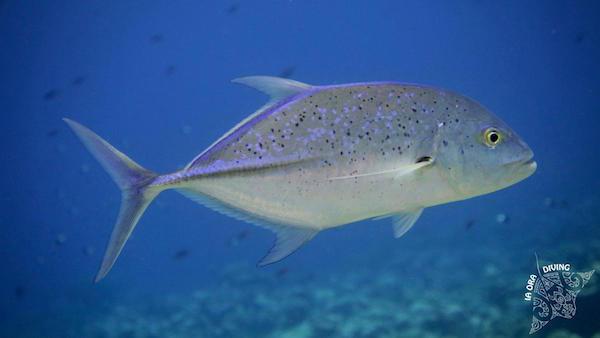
(579, 37)
(88, 250)
(51, 94)
(502, 218)
(470, 223)
(186, 129)
(319, 157)
(78, 81)
(235, 240)
(181, 254)
(19, 292)
(60, 239)
(157, 38)
(243, 234)
(52, 133)
(287, 72)
(552, 203)
(170, 70)
(282, 272)
(232, 9)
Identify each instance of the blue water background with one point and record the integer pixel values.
(154, 80)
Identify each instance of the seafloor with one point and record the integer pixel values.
(432, 294)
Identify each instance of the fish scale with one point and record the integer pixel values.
(318, 157)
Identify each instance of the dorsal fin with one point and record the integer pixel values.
(289, 239)
(277, 88)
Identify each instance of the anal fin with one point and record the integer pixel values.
(289, 239)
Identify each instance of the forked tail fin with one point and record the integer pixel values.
(136, 190)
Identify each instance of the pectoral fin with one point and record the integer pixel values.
(404, 221)
(397, 172)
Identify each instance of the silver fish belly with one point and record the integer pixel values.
(313, 158)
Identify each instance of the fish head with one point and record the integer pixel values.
(480, 153)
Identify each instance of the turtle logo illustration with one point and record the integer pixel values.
(553, 293)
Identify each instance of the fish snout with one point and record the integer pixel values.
(523, 165)
(527, 160)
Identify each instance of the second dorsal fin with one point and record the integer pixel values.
(277, 88)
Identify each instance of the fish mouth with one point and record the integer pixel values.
(528, 165)
(528, 162)
(525, 161)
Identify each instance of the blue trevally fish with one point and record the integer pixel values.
(318, 157)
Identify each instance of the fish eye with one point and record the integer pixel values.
(492, 137)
